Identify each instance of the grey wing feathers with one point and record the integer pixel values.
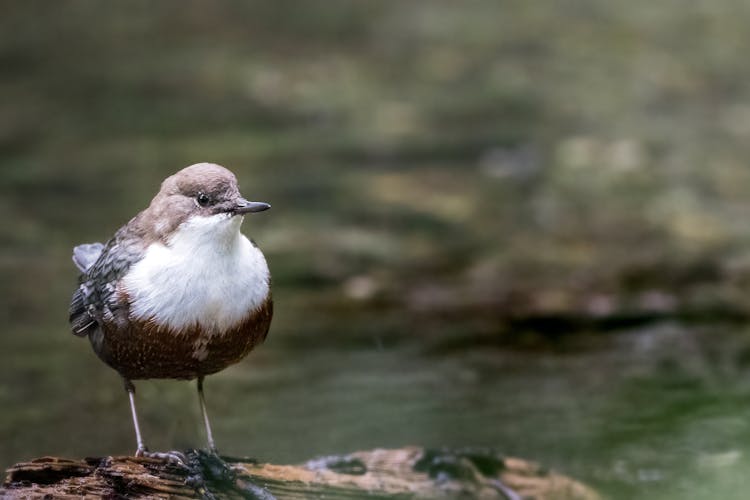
(81, 321)
(85, 255)
(101, 266)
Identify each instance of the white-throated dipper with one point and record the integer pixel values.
(178, 292)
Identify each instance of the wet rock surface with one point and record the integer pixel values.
(403, 473)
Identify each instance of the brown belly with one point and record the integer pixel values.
(144, 350)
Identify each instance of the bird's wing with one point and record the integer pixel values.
(81, 321)
(95, 299)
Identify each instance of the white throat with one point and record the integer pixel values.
(208, 274)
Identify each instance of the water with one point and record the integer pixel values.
(661, 409)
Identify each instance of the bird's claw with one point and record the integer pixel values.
(173, 457)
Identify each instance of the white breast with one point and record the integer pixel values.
(207, 274)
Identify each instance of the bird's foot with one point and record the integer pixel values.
(173, 457)
(208, 467)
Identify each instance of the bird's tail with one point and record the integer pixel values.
(85, 255)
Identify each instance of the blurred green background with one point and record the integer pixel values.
(514, 224)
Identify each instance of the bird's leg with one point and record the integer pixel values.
(209, 434)
(172, 456)
(138, 439)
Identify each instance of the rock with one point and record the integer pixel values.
(404, 473)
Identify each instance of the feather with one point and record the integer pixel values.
(85, 255)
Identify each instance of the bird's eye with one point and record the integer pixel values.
(202, 199)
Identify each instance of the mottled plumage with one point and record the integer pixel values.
(94, 303)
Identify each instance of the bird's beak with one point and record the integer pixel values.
(245, 207)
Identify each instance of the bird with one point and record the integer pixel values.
(178, 292)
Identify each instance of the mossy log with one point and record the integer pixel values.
(405, 473)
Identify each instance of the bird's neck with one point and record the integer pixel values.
(217, 234)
